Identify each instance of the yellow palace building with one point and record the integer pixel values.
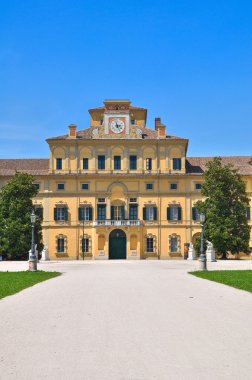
(118, 190)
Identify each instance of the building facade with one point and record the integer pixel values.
(119, 190)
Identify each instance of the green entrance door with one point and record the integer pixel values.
(117, 245)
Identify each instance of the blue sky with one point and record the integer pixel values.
(188, 62)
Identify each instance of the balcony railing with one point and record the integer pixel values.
(117, 223)
(115, 172)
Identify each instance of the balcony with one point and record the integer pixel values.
(117, 223)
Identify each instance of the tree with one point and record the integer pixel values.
(15, 224)
(225, 207)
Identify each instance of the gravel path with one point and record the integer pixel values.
(126, 320)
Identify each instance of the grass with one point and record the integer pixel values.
(14, 282)
(240, 279)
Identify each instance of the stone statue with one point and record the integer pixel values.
(45, 254)
(209, 244)
(191, 252)
(210, 252)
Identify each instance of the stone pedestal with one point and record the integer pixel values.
(45, 254)
(210, 252)
(191, 253)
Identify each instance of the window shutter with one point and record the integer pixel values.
(112, 213)
(90, 212)
(136, 211)
(122, 212)
(248, 213)
(65, 213)
(168, 213)
(80, 213)
(194, 213)
(179, 213)
(179, 163)
(55, 214)
(155, 213)
(144, 213)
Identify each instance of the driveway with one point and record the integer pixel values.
(126, 320)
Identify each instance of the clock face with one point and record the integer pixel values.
(117, 126)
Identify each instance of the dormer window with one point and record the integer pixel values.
(117, 162)
(176, 163)
(59, 163)
(148, 163)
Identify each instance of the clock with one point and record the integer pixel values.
(117, 125)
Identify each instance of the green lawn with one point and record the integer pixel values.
(240, 279)
(13, 282)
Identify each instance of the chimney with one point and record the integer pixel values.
(159, 127)
(72, 131)
(157, 122)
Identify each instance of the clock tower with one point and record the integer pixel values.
(117, 119)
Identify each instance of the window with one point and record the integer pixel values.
(148, 163)
(61, 245)
(198, 186)
(133, 121)
(195, 214)
(117, 162)
(117, 213)
(39, 212)
(174, 213)
(85, 245)
(133, 212)
(61, 186)
(101, 212)
(173, 186)
(84, 186)
(133, 200)
(60, 213)
(101, 162)
(174, 244)
(36, 185)
(59, 163)
(149, 186)
(101, 121)
(101, 200)
(133, 162)
(248, 213)
(150, 213)
(149, 244)
(85, 213)
(85, 163)
(176, 163)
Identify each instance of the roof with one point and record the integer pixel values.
(86, 134)
(197, 165)
(103, 108)
(34, 166)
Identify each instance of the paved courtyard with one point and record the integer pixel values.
(126, 320)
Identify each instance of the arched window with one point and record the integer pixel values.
(174, 243)
(150, 243)
(61, 244)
